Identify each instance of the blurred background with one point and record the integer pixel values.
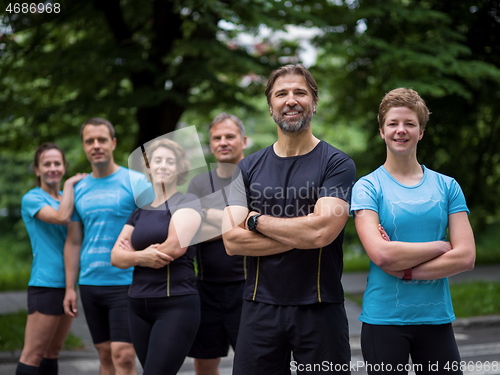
(154, 66)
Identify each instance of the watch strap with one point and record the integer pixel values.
(408, 274)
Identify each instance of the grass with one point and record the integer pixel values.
(476, 298)
(12, 333)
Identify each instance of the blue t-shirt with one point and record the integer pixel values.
(417, 213)
(290, 187)
(103, 205)
(47, 241)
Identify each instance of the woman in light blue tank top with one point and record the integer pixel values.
(46, 211)
(403, 213)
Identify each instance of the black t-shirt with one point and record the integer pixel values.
(151, 226)
(213, 262)
(290, 187)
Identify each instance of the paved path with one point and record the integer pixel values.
(85, 361)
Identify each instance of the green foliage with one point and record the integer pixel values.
(151, 66)
(448, 52)
(15, 252)
(487, 249)
(477, 298)
(142, 65)
(12, 328)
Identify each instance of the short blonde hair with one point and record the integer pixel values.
(181, 159)
(403, 97)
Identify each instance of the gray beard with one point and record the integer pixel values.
(295, 127)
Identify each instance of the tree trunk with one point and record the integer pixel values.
(158, 120)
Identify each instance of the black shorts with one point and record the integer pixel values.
(317, 334)
(106, 312)
(220, 318)
(45, 300)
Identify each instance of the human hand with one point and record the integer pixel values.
(125, 244)
(153, 258)
(70, 303)
(383, 233)
(446, 246)
(76, 178)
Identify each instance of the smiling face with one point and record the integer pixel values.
(401, 130)
(226, 142)
(291, 103)
(50, 168)
(163, 167)
(98, 145)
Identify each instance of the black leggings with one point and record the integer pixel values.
(163, 330)
(387, 348)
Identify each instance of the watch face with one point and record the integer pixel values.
(252, 222)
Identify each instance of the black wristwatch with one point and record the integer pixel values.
(252, 222)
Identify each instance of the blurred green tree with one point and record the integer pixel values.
(449, 51)
(141, 64)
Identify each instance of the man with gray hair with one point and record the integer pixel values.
(220, 277)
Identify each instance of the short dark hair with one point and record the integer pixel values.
(40, 150)
(403, 97)
(226, 116)
(98, 121)
(291, 69)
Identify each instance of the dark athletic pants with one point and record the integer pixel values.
(163, 330)
(433, 347)
(317, 334)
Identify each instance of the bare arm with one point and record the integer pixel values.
(181, 231)
(461, 258)
(393, 255)
(211, 226)
(72, 249)
(240, 241)
(123, 255)
(62, 215)
(309, 232)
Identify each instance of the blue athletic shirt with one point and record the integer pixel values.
(151, 226)
(213, 262)
(103, 205)
(290, 187)
(417, 213)
(47, 241)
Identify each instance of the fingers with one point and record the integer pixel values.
(383, 233)
(70, 308)
(77, 177)
(165, 257)
(124, 244)
(154, 258)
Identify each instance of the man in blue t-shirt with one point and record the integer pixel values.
(287, 212)
(220, 277)
(103, 202)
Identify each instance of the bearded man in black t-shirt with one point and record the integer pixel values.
(287, 211)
